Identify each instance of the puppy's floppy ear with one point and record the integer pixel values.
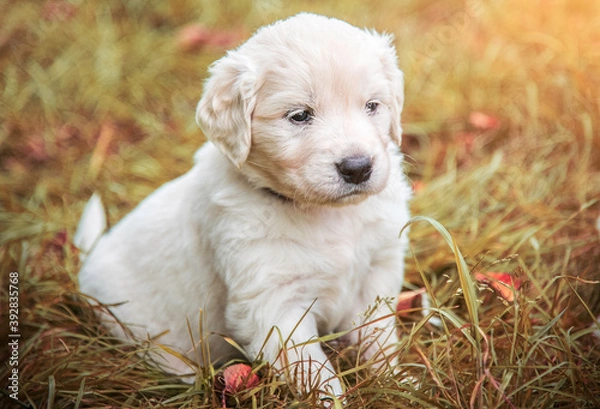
(225, 110)
(395, 78)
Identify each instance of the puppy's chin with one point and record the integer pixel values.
(342, 198)
(350, 199)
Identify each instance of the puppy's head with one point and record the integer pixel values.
(307, 108)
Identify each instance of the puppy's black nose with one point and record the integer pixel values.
(355, 169)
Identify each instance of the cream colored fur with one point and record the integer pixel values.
(263, 234)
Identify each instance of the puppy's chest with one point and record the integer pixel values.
(341, 269)
(327, 256)
(338, 255)
(345, 253)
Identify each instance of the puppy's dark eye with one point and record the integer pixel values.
(300, 116)
(371, 107)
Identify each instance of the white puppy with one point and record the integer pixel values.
(288, 222)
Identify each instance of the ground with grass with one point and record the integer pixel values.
(501, 135)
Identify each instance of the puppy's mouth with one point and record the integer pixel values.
(355, 193)
(353, 196)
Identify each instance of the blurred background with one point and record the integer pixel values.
(501, 115)
(501, 120)
(479, 75)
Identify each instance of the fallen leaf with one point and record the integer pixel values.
(465, 144)
(234, 379)
(408, 300)
(418, 186)
(467, 140)
(483, 121)
(35, 149)
(56, 246)
(504, 285)
(58, 11)
(196, 36)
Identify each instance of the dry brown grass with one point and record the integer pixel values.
(501, 132)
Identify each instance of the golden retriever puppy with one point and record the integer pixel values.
(286, 228)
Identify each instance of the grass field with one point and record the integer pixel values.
(502, 140)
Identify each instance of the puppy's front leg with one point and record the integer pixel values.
(379, 335)
(288, 337)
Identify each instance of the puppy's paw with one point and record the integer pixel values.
(332, 396)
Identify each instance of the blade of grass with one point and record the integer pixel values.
(80, 394)
(467, 285)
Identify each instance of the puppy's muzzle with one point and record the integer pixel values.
(355, 169)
